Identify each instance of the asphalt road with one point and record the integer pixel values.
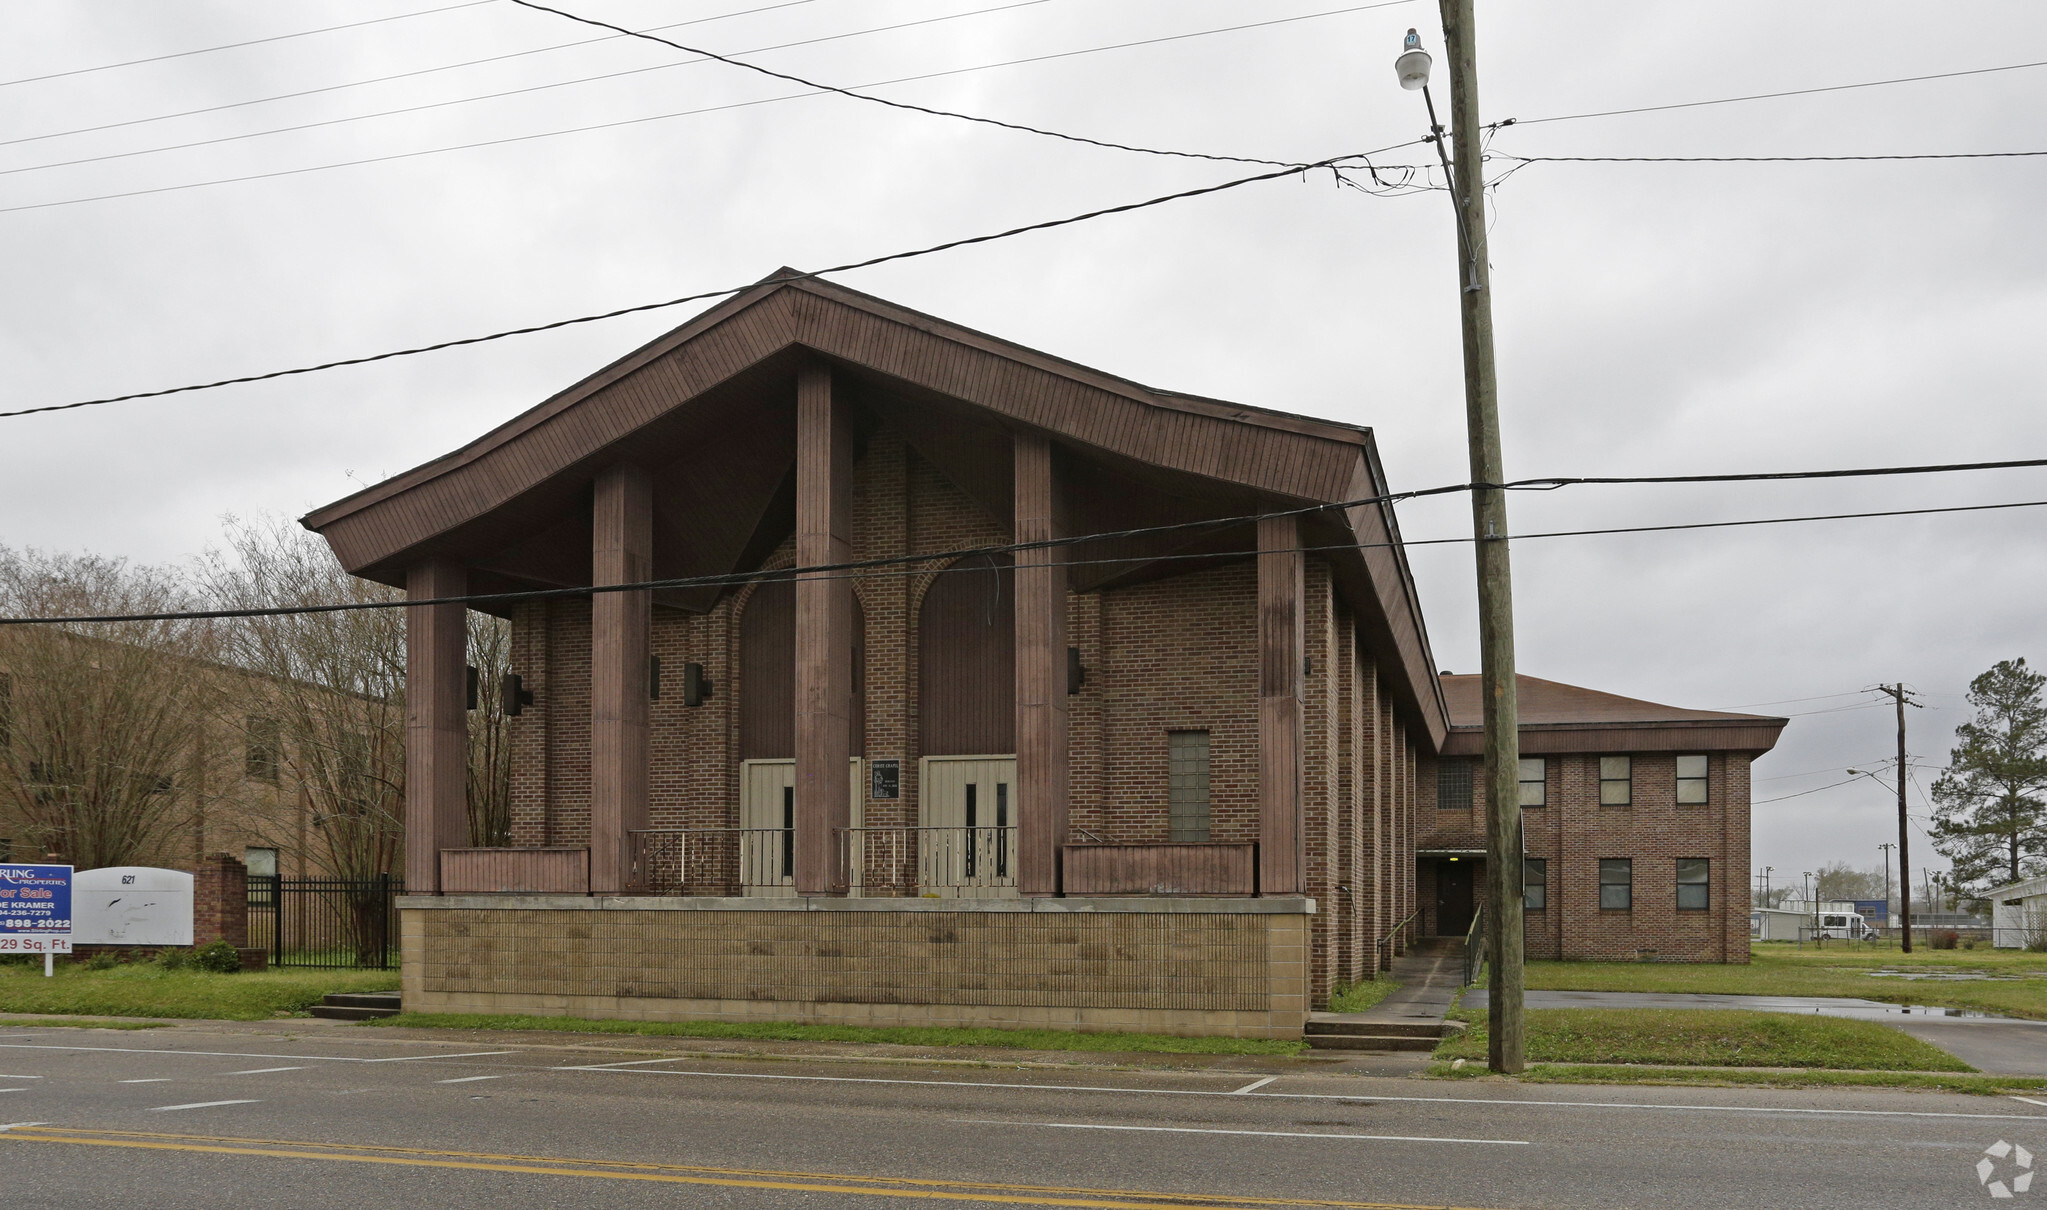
(352, 1118)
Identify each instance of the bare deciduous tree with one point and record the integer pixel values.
(102, 739)
(490, 755)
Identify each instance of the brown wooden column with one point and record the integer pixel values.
(436, 722)
(621, 552)
(1041, 721)
(824, 629)
(1280, 595)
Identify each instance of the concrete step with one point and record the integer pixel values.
(356, 1006)
(1332, 1024)
(1370, 1042)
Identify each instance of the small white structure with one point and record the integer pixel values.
(131, 905)
(2018, 913)
(1776, 924)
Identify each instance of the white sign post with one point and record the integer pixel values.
(35, 911)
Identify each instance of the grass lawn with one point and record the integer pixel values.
(1357, 997)
(1571, 1073)
(2018, 988)
(1709, 1038)
(1022, 1039)
(143, 990)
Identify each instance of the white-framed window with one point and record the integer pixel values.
(1187, 786)
(1691, 780)
(261, 863)
(1534, 884)
(1616, 781)
(1534, 781)
(1694, 885)
(1616, 884)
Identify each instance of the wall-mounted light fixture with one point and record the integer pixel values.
(653, 678)
(1076, 672)
(514, 694)
(469, 688)
(695, 686)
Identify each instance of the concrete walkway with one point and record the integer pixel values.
(1430, 976)
(2000, 1045)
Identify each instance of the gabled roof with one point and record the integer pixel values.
(1558, 718)
(708, 408)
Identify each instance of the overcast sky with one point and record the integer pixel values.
(1652, 318)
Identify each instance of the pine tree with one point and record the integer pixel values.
(1990, 806)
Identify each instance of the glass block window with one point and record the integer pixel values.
(1693, 889)
(1534, 884)
(1453, 784)
(1616, 884)
(1187, 785)
(1691, 781)
(1534, 781)
(1616, 781)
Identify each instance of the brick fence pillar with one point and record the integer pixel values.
(220, 901)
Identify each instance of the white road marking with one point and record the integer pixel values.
(1267, 1134)
(242, 1054)
(3, 1077)
(473, 1054)
(199, 1105)
(13, 1090)
(615, 1069)
(263, 1071)
(2027, 1100)
(1254, 1086)
(12, 1125)
(468, 1079)
(150, 1080)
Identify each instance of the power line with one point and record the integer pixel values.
(893, 565)
(902, 105)
(698, 297)
(1860, 472)
(1758, 159)
(207, 50)
(683, 113)
(407, 75)
(489, 96)
(1768, 96)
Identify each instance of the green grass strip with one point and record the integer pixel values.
(76, 1023)
(1357, 997)
(144, 989)
(1691, 1037)
(1975, 1084)
(779, 1031)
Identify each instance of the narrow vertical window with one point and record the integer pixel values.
(1534, 884)
(1187, 786)
(1453, 784)
(1616, 884)
(1694, 886)
(1002, 829)
(1616, 781)
(788, 832)
(1691, 781)
(1534, 781)
(973, 826)
(261, 757)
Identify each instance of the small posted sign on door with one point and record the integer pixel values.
(35, 909)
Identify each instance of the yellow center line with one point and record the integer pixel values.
(908, 1187)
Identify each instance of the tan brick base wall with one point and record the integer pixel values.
(1222, 972)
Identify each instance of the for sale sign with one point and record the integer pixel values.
(35, 909)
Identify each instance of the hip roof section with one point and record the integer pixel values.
(1557, 718)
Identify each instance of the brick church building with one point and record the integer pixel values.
(1094, 706)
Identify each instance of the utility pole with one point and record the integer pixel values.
(1766, 884)
(1903, 697)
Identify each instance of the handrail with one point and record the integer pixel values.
(1474, 947)
(1380, 947)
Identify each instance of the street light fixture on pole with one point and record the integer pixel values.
(1504, 855)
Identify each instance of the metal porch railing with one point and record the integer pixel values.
(946, 862)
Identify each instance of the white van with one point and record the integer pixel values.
(1842, 926)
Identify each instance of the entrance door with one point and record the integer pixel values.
(1453, 897)
(966, 843)
(767, 825)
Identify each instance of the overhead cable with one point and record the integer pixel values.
(488, 96)
(906, 105)
(680, 113)
(1762, 159)
(1770, 96)
(898, 565)
(701, 296)
(207, 50)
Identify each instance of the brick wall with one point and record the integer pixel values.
(1207, 967)
(220, 901)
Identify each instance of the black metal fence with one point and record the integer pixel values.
(325, 922)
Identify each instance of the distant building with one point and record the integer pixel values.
(2018, 913)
